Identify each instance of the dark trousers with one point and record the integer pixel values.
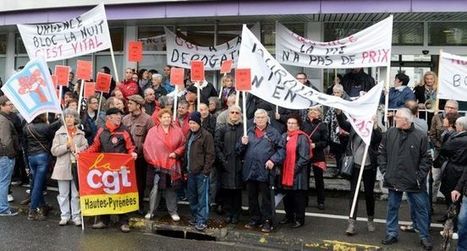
(255, 190)
(232, 202)
(338, 150)
(319, 184)
(294, 204)
(368, 178)
(141, 172)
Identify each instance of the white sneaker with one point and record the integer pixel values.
(63, 222)
(148, 216)
(175, 217)
(77, 222)
(28, 191)
(455, 236)
(10, 198)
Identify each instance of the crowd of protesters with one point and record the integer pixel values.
(203, 153)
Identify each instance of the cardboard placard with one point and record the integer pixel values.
(135, 51)
(226, 66)
(103, 81)
(84, 69)
(243, 79)
(89, 89)
(177, 76)
(197, 71)
(62, 73)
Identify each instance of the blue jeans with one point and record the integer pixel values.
(6, 170)
(462, 226)
(418, 202)
(39, 166)
(198, 196)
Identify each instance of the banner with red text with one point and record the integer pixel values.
(67, 39)
(367, 48)
(107, 183)
(271, 82)
(452, 77)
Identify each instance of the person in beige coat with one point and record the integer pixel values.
(68, 141)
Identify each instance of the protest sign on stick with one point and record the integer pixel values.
(243, 83)
(62, 73)
(135, 51)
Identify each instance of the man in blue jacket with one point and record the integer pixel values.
(262, 149)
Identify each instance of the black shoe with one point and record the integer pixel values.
(296, 225)
(389, 240)
(321, 206)
(251, 225)
(267, 227)
(426, 244)
(285, 221)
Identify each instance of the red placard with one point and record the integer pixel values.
(226, 66)
(177, 76)
(103, 82)
(197, 71)
(135, 51)
(89, 89)
(84, 69)
(243, 79)
(62, 73)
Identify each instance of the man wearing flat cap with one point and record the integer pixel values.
(199, 158)
(138, 124)
(113, 137)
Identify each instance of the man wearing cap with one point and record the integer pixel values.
(199, 158)
(138, 124)
(113, 137)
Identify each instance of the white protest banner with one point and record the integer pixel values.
(71, 38)
(271, 82)
(181, 52)
(452, 77)
(32, 91)
(368, 48)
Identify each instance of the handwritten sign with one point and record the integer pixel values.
(62, 73)
(197, 70)
(181, 52)
(452, 77)
(271, 82)
(89, 89)
(177, 76)
(67, 39)
(226, 66)
(135, 51)
(103, 81)
(368, 48)
(84, 69)
(243, 79)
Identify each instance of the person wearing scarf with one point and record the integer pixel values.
(163, 148)
(68, 141)
(295, 172)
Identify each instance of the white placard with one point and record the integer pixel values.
(452, 77)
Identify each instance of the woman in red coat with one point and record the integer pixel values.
(163, 149)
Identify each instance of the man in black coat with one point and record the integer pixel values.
(405, 162)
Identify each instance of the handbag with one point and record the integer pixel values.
(347, 162)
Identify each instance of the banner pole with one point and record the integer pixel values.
(198, 94)
(360, 174)
(112, 55)
(81, 89)
(237, 99)
(436, 110)
(386, 99)
(100, 103)
(244, 113)
(175, 103)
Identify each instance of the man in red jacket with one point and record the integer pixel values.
(128, 86)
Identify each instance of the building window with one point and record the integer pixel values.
(407, 33)
(447, 33)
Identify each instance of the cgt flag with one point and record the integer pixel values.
(32, 90)
(107, 183)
